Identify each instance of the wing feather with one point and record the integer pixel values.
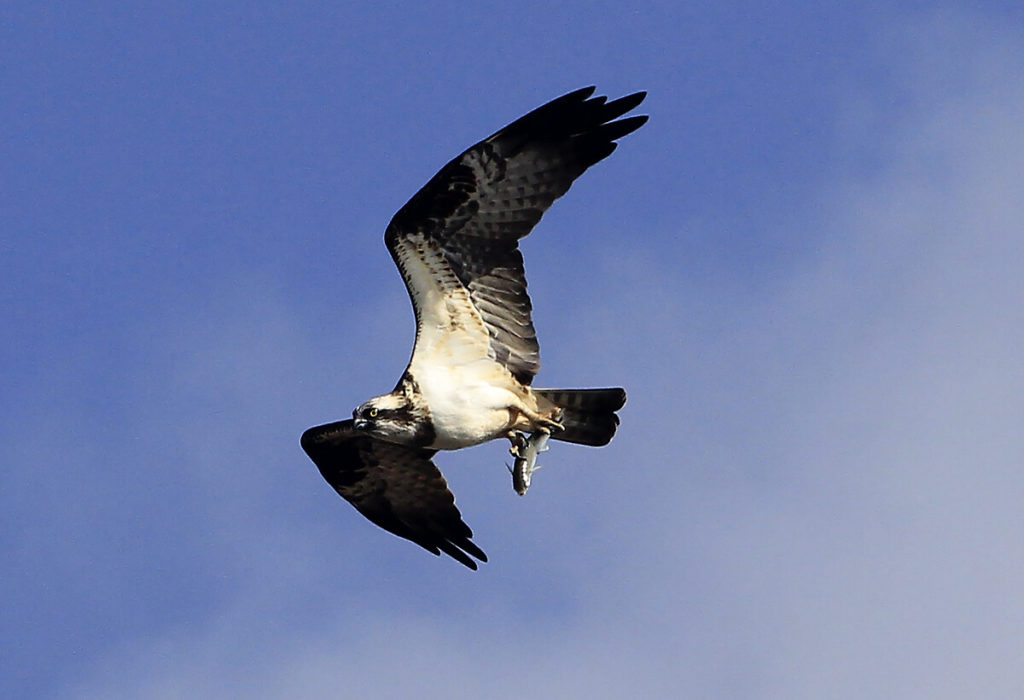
(396, 487)
(470, 216)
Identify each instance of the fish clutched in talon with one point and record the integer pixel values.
(526, 450)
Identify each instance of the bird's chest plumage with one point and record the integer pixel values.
(469, 404)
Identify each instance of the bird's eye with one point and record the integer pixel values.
(372, 413)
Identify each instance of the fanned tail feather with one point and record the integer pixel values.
(588, 414)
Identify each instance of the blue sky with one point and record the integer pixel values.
(806, 270)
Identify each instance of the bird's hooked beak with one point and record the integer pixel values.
(359, 423)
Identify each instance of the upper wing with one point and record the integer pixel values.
(456, 240)
(396, 487)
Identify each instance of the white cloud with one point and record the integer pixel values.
(834, 513)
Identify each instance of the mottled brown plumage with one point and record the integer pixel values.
(478, 206)
(394, 486)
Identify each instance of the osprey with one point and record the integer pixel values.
(476, 353)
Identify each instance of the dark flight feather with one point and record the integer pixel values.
(395, 487)
(478, 206)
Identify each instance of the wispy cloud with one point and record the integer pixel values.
(816, 493)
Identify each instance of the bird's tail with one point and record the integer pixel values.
(588, 415)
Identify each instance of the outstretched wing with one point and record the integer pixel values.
(456, 241)
(396, 487)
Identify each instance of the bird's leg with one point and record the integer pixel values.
(525, 450)
(550, 423)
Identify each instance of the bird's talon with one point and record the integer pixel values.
(519, 441)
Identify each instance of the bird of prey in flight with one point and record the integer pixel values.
(476, 353)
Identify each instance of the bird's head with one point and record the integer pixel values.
(391, 418)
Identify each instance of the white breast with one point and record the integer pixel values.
(469, 403)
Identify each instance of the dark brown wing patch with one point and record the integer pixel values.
(396, 487)
(480, 204)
